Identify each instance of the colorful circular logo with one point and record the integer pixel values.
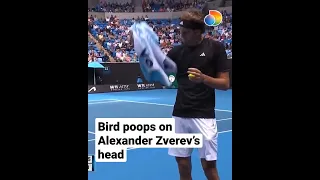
(214, 18)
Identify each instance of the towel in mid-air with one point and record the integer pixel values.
(154, 63)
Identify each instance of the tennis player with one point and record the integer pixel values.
(202, 68)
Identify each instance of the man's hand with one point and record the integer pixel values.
(195, 75)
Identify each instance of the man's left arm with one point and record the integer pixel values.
(221, 81)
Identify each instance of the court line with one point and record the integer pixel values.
(104, 102)
(221, 132)
(150, 103)
(225, 119)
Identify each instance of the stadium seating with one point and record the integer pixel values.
(113, 33)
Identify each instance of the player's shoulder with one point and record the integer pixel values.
(175, 51)
(177, 48)
(210, 43)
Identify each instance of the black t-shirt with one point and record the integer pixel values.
(197, 100)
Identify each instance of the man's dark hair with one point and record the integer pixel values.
(205, 9)
(195, 16)
(192, 14)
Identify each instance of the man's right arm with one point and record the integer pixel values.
(221, 81)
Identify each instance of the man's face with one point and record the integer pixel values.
(188, 36)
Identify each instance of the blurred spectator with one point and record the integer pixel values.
(170, 5)
(149, 6)
(113, 34)
(139, 79)
(104, 6)
(94, 54)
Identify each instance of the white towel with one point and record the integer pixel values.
(154, 63)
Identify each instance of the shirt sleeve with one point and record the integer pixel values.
(173, 54)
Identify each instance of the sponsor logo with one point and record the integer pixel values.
(122, 87)
(119, 87)
(146, 86)
(92, 89)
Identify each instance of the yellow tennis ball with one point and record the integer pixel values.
(191, 75)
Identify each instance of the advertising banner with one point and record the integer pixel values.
(122, 87)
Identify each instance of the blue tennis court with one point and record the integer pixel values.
(154, 164)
